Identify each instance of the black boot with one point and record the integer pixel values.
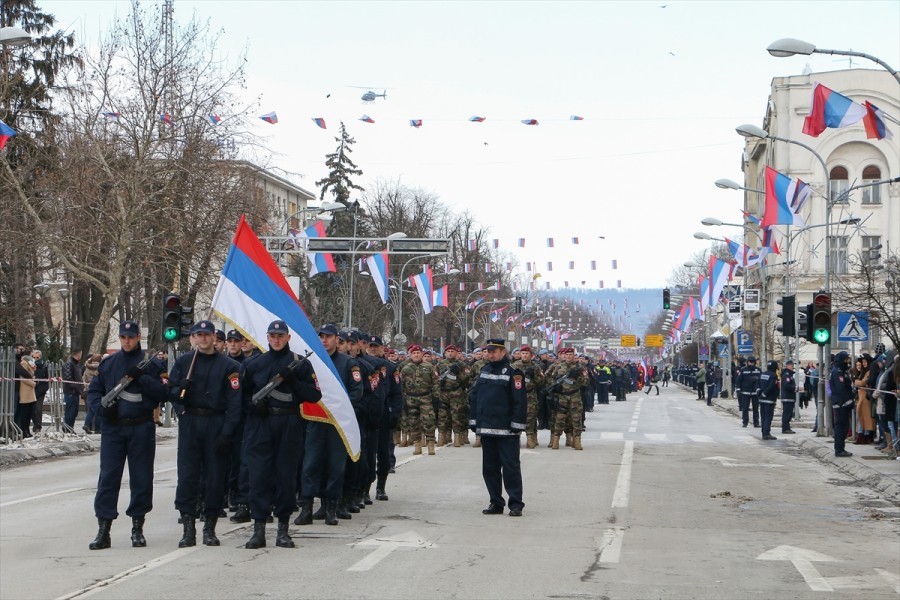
(102, 540)
(320, 514)
(331, 506)
(137, 532)
(258, 539)
(209, 532)
(242, 515)
(379, 487)
(341, 509)
(283, 538)
(366, 498)
(189, 538)
(306, 515)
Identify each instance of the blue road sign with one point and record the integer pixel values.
(853, 326)
(744, 342)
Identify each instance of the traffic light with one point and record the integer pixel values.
(821, 318)
(667, 302)
(171, 318)
(187, 319)
(518, 304)
(804, 323)
(788, 327)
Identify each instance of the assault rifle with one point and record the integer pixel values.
(112, 395)
(277, 380)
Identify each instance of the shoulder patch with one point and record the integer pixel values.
(316, 381)
(397, 376)
(517, 381)
(235, 381)
(357, 377)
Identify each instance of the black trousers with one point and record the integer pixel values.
(273, 448)
(500, 468)
(199, 461)
(787, 413)
(324, 461)
(841, 425)
(135, 444)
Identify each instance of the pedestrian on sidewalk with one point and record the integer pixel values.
(788, 396)
(842, 401)
(700, 378)
(27, 398)
(768, 395)
(41, 376)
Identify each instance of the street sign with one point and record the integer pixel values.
(629, 341)
(734, 307)
(653, 341)
(731, 291)
(744, 342)
(751, 299)
(724, 352)
(853, 326)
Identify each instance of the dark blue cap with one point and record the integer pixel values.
(277, 326)
(496, 343)
(328, 329)
(203, 327)
(220, 334)
(344, 335)
(129, 329)
(374, 340)
(234, 334)
(354, 336)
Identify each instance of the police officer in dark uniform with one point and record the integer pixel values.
(390, 415)
(747, 386)
(128, 433)
(325, 457)
(275, 432)
(206, 384)
(238, 488)
(788, 396)
(357, 474)
(768, 396)
(842, 400)
(497, 412)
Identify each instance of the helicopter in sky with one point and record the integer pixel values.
(370, 96)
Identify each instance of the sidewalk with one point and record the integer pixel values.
(867, 464)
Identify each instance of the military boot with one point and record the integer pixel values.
(465, 438)
(531, 441)
(189, 537)
(418, 449)
(367, 499)
(576, 443)
(320, 514)
(568, 440)
(242, 515)
(477, 443)
(331, 507)
(380, 486)
(283, 537)
(258, 539)
(102, 540)
(404, 439)
(137, 533)
(396, 438)
(457, 440)
(209, 531)
(554, 442)
(349, 504)
(306, 514)
(431, 447)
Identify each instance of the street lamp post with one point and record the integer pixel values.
(488, 289)
(400, 338)
(790, 46)
(394, 236)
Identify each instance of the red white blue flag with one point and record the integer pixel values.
(440, 297)
(719, 273)
(529, 121)
(6, 132)
(784, 199)
(874, 123)
(366, 119)
(424, 286)
(252, 293)
(320, 122)
(477, 119)
(415, 123)
(167, 119)
(830, 109)
(576, 118)
(319, 262)
(270, 118)
(379, 266)
(214, 119)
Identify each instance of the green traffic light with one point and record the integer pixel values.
(170, 334)
(821, 336)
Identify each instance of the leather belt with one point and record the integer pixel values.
(274, 412)
(203, 412)
(134, 421)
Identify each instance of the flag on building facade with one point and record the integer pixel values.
(784, 198)
(874, 123)
(830, 109)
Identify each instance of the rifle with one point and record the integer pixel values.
(277, 380)
(112, 395)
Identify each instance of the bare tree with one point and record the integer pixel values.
(871, 286)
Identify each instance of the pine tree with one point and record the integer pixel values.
(340, 169)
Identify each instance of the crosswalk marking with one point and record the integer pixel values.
(657, 437)
(612, 435)
(701, 439)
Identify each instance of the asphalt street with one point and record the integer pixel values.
(669, 499)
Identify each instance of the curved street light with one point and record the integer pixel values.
(14, 36)
(790, 46)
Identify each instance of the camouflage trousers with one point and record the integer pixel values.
(568, 415)
(453, 414)
(531, 420)
(420, 411)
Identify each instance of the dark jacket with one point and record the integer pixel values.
(842, 395)
(257, 372)
(141, 396)
(73, 371)
(498, 401)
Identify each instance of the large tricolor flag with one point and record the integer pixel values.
(784, 199)
(440, 297)
(6, 132)
(704, 293)
(742, 253)
(830, 109)
(252, 293)
(379, 266)
(319, 262)
(874, 123)
(424, 286)
(719, 273)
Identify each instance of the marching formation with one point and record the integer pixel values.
(246, 443)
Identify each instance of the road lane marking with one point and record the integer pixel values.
(701, 439)
(612, 435)
(47, 495)
(128, 574)
(611, 544)
(730, 462)
(657, 437)
(384, 546)
(802, 559)
(623, 482)
(632, 429)
(892, 579)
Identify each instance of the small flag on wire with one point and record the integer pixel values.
(320, 122)
(601, 284)
(415, 123)
(571, 264)
(549, 242)
(115, 115)
(477, 119)
(529, 121)
(575, 241)
(366, 119)
(270, 118)
(6, 132)
(496, 244)
(593, 265)
(576, 118)
(549, 266)
(618, 283)
(214, 119)
(471, 245)
(167, 119)
(615, 264)
(521, 242)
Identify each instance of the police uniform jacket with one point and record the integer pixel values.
(373, 395)
(141, 396)
(215, 385)
(348, 370)
(841, 386)
(260, 370)
(391, 391)
(498, 402)
(748, 380)
(768, 387)
(788, 386)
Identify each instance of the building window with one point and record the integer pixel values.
(840, 181)
(871, 249)
(871, 195)
(837, 260)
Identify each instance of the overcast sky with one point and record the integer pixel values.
(660, 85)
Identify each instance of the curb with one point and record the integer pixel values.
(11, 457)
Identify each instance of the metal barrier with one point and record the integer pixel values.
(9, 431)
(55, 398)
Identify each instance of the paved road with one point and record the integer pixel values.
(669, 499)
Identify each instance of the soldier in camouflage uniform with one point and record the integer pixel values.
(534, 380)
(568, 377)
(453, 416)
(420, 384)
(402, 359)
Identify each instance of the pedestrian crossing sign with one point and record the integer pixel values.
(853, 326)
